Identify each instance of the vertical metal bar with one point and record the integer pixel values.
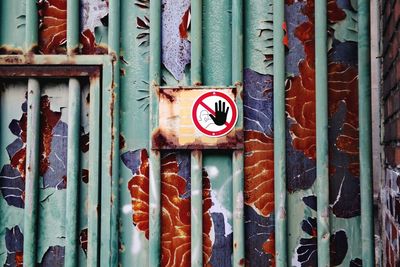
(114, 49)
(154, 157)
(94, 172)
(196, 35)
(73, 173)
(31, 25)
(72, 26)
(364, 102)
(196, 209)
(32, 173)
(196, 155)
(32, 143)
(238, 156)
(321, 99)
(279, 133)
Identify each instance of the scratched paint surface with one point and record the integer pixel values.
(52, 183)
(53, 26)
(217, 64)
(343, 134)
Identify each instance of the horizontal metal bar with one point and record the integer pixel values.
(47, 71)
(54, 59)
(94, 172)
(279, 132)
(196, 87)
(365, 122)
(32, 174)
(321, 98)
(73, 172)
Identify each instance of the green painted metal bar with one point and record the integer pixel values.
(154, 157)
(196, 155)
(279, 131)
(73, 28)
(114, 50)
(107, 170)
(196, 208)
(94, 172)
(31, 25)
(32, 174)
(54, 59)
(73, 172)
(238, 156)
(196, 35)
(321, 98)
(364, 102)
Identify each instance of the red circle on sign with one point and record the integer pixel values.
(229, 125)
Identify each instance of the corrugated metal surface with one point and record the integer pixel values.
(129, 48)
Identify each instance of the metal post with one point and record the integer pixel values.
(321, 98)
(238, 156)
(364, 102)
(196, 163)
(73, 173)
(94, 172)
(32, 144)
(32, 173)
(72, 26)
(31, 25)
(154, 157)
(279, 133)
(114, 49)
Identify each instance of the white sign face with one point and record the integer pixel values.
(214, 114)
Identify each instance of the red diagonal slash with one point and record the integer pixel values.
(212, 112)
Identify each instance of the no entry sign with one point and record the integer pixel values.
(214, 113)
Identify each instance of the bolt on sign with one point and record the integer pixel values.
(197, 118)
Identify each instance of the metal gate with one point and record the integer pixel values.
(85, 181)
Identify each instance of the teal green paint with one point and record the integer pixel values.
(196, 215)
(84, 163)
(12, 92)
(321, 98)
(238, 156)
(73, 27)
(258, 35)
(217, 36)
(364, 103)
(94, 172)
(196, 40)
(279, 131)
(32, 173)
(114, 49)
(196, 158)
(134, 112)
(51, 221)
(31, 25)
(154, 156)
(12, 33)
(217, 71)
(73, 172)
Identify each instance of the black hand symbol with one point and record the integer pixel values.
(220, 113)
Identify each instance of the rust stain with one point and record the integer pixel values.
(164, 94)
(8, 50)
(241, 262)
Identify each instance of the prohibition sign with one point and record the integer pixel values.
(214, 114)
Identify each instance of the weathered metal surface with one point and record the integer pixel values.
(176, 129)
(213, 34)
